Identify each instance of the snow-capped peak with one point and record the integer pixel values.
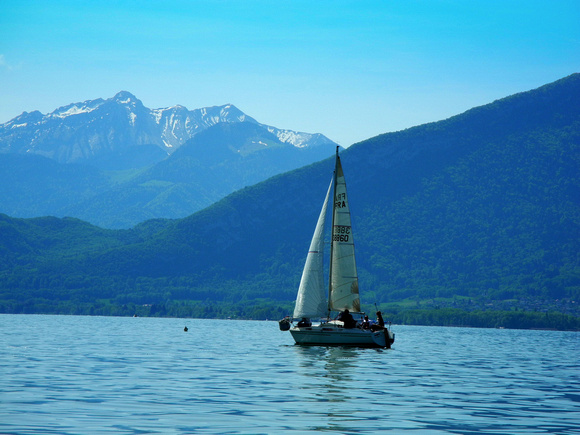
(124, 97)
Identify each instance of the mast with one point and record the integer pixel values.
(332, 231)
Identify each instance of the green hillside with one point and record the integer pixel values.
(475, 213)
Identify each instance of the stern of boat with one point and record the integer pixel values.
(285, 324)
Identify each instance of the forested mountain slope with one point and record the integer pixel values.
(484, 205)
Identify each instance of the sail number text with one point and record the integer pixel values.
(341, 233)
(340, 200)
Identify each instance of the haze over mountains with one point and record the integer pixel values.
(116, 163)
(482, 208)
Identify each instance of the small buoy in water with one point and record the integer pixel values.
(185, 329)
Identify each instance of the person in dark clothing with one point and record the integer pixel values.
(381, 323)
(304, 323)
(380, 319)
(347, 319)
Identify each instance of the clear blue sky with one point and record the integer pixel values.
(347, 69)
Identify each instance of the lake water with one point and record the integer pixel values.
(91, 375)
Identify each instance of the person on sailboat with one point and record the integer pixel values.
(305, 322)
(380, 319)
(380, 325)
(347, 319)
(366, 324)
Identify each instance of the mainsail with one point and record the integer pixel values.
(343, 287)
(311, 299)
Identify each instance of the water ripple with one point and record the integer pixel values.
(75, 375)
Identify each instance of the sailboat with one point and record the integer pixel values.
(343, 293)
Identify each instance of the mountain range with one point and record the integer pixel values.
(478, 210)
(121, 131)
(116, 163)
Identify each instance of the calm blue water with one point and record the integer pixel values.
(91, 375)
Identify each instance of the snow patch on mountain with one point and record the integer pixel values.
(76, 109)
(157, 114)
(299, 140)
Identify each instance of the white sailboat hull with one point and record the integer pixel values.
(333, 334)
